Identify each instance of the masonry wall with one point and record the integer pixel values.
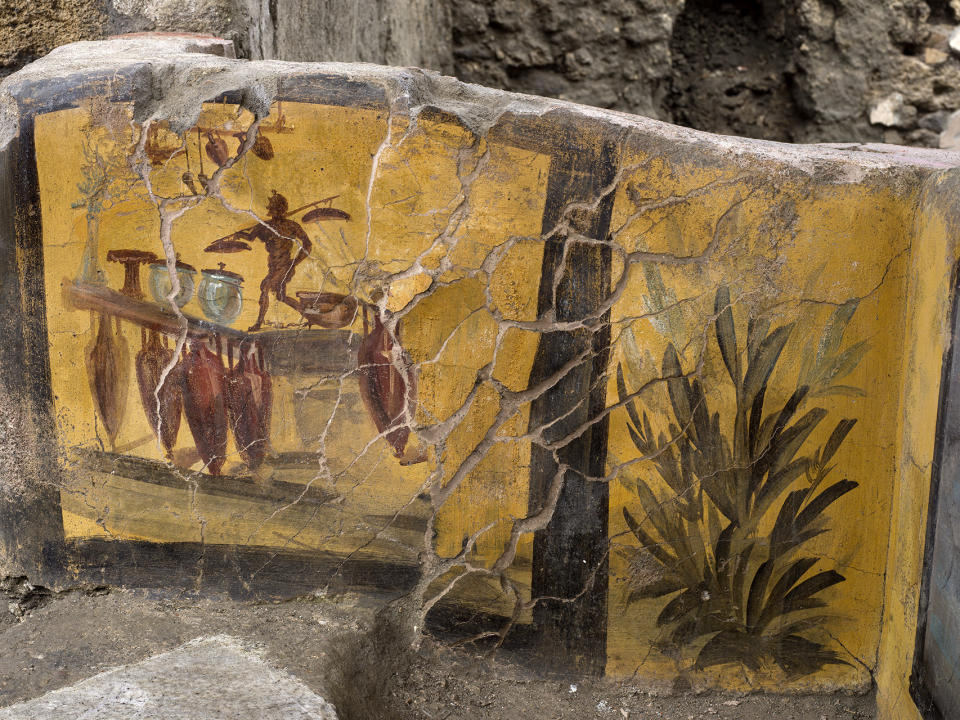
(391, 32)
(790, 70)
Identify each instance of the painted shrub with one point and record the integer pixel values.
(734, 579)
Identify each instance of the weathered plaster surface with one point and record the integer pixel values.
(575, 288)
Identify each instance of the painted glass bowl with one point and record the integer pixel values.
(160, 283)
(220, 295)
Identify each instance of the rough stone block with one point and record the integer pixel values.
(642, 400)
(206, 679)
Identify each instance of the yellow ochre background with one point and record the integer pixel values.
(793, 250)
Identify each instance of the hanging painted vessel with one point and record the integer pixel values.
(216, 149)
(387, 393)
(163, 407)
(204, 404)
(249, 395)
(108, 360)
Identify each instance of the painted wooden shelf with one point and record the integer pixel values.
(286, 350)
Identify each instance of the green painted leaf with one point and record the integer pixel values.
(764, 361)
(785, 445)
(683, 604)
(623, 394)
(845, 363)
(758, 591)
(801, 596)
(757, 329)
(656, 589)
(835, 328)
(790, 577)
(648, 543)
(836, 439)
(822, 501)
(676, 387)
(731, 646)
(727, 334)
(777, 484)
(781, 537)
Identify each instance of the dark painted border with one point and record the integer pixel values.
(918, 689)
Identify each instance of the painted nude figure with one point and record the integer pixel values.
(281, 236)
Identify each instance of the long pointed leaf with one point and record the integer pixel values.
(846, 362)
(763, 363)
(777, 483)
(639, 441)
(835, 328)
(656, 589)
(653, 507)
(727, 334)
(684, 603)
(721, 555)
(757, 329)
(701, 416)
(739, 576)
(799, 598)
(798, 655)
(790, 577)
(783, 527)
(758, 591)
(623, 394)
(676, 386)
(836, 439)
(730, 646)
(756, 415)
(648, 543)
(786, 445)
(822, 501)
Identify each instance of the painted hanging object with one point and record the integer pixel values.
(389, 395)
(107, 370)
(204, 404)
(162, 403)
(249, 394)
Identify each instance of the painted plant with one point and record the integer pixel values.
(736, 499)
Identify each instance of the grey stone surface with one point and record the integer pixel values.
(389, 32)
(394, 32)
(210, 678)
(950, 135)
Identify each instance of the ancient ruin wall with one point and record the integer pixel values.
(640, 400)
(791, 70)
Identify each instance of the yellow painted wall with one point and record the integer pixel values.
(933, 256)
(815, 251)
(429, 199)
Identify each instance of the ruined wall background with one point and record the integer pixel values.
(792, 70)
(392, 32)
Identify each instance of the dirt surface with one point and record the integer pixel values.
(327, 643)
